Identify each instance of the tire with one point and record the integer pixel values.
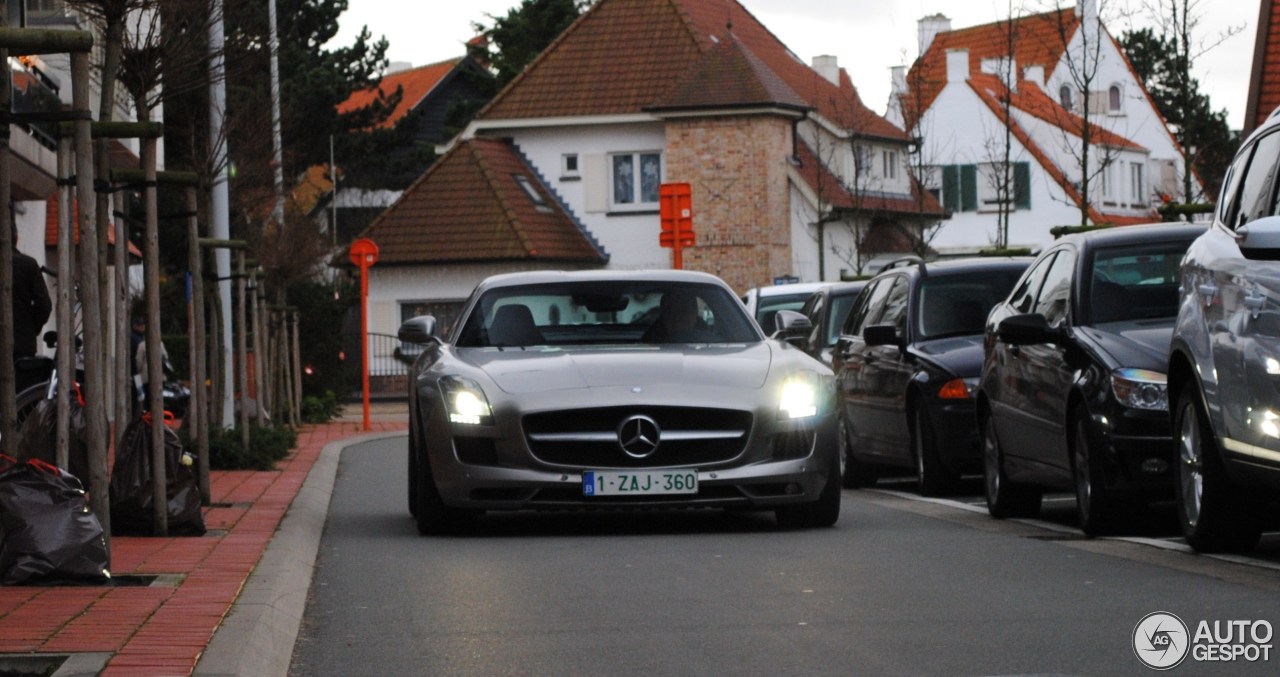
(27, 401)
(1005, 498)
(854, 474)
(821, 513)
(933, 478)
(413, 466)
(433, 517)
(1214, 514)
(1102, 513)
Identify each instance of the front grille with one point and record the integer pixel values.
(589, 438)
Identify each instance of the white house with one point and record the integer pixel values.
(1027, 71)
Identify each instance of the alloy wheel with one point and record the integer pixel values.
(1190, 463)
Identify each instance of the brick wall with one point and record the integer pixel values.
(736, 167)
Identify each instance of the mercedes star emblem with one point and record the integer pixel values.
(638, 436)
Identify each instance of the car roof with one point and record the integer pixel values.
(793, 288)
(552, 276)
(1121, 235)
(946, 267)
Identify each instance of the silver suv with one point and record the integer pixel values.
(1224, 367)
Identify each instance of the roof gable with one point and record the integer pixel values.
(629, 56)
(477, 203)
(416, 83)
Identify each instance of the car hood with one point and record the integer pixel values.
(515, 371)
(1140, 344)
(960, 355)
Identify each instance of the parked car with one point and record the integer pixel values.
(615, 405)
(1224, 368)
(1073, 390)
(828, 308)
(907, 365)
(763, 303)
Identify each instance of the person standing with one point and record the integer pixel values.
(31, 304)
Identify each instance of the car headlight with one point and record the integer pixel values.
(1141, 389)
(799, 397)
(465, 401)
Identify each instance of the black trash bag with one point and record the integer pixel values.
(48, 536)
(131, 493)
(38, 437)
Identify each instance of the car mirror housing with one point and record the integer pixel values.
(881, 335)
(420, 329)
(791, 326)
(1260, 239)
(1027, 329)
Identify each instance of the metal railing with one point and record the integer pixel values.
(389, 361)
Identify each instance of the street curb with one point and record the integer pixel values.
(256, 636)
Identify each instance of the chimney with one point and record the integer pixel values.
(930, 27)
(827, 66)
(957, 65)
(898, 80)
(397, 66)
(1035, 75)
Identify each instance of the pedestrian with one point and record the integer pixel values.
(31, 304)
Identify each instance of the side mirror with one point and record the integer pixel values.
(791, 326)
(1028, 329)
(420, 329)
(881, 335)
(1260, 239)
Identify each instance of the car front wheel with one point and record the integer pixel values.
(1101, 512)
(1005, 498)
(1214, 515)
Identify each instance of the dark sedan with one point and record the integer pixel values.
(1073, 393)
(907, 365)
(827, 309)
(612, 390)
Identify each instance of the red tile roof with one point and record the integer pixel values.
(1037, 40)
(416, 83)
(51, 227)
(627, 56)
(1032, 100)
(834, 192)
(471, 207)
(1264, 86)
(741, 80)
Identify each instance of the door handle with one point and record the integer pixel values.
(1254, 301)
(1208, 290)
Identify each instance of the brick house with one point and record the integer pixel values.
(968, 82)
(1264, 85)
(791, 175)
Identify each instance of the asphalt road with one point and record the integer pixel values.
(899, 586)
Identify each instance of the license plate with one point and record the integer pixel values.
(639, 482)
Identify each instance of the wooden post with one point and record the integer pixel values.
(297, 372)
(8, 381)
(66, 283)
(198, 416)
(155, 359)
(242, 350)
(258, 359)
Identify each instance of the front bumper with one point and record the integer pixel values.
(955, 433)
(1138, 453)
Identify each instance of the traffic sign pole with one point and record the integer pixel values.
(364, 253)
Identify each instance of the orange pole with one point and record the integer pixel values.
(364, 339)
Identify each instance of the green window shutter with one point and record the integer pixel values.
(951, 188)
(1021, 185)
(968, 188)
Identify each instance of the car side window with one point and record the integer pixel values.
(1231, 187)
(1055, 295)
(870, 298)
(1258, 194)
(895, 305)
(1023, 298)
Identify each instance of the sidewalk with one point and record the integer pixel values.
(172, 594)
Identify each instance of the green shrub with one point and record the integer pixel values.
(267, 445)
(320, 409)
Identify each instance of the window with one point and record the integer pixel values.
(1108, 181)
(1113, 99)
(569, 166)
(1065, 98)
(895, 306)
(963, 190)
(868, 305)
(527, 186)
(1257, 199)
(1055, 295)
(1023, 297)
(1137, 184)
(861, 159)
(636, 177)
(890, 162)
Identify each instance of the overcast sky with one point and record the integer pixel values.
(867, 36)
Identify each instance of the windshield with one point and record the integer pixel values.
(628, 312)
(958, 305)
(1135, 282)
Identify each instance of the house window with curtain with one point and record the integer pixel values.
(635, 180)
(1138, 184)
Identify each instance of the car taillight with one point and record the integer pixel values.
(955, 389)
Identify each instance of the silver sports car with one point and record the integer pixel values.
(608, 389)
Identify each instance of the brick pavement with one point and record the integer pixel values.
(162, 628)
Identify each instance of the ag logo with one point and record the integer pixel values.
(1161, 641)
